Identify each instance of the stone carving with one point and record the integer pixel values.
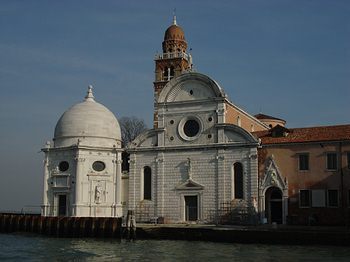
(98, 193)
(189, 168)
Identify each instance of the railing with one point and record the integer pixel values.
(172, 55)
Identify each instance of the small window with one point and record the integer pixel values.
(63, 166)
(304, 198)
(348, 159)
(303, 162)
(332, 161)
(333, 198)
(98, 166)
(147, 183)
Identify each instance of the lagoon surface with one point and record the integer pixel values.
(19, 247)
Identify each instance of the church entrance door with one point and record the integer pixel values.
(273, 205)
(62, 205)
(191, 208)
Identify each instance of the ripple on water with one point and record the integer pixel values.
(34, 247)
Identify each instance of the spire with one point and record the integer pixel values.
(89, 96)
(174, 17)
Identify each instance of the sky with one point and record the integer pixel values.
(285, 58)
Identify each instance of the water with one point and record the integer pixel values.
(19, 247)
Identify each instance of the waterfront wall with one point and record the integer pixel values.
(284, 235)
(61, 226)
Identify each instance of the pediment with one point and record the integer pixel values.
(273, 176)
(189, 184)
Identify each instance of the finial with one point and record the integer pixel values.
(89, 96)
(174, 17)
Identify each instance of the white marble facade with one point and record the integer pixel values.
(82, 168)
(184, 170)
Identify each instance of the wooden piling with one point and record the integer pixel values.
(61, 226)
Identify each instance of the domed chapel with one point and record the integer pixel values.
(201, 162)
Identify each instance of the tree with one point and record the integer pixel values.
(131, 127)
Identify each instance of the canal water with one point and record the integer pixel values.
(19, 247)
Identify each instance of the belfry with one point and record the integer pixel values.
(173, 61)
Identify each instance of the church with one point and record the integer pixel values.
(204, 161)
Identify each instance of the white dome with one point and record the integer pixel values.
(88, 122)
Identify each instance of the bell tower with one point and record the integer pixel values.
(171, 62)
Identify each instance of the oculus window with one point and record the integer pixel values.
(98, 166)
(63, 166)
(190, 128)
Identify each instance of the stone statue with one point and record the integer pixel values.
(98, 192)
(189, 168)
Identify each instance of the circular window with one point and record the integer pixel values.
(210, 119)
(209, 136)
(98, 166)
(63, 166)
(171, 138)
(191, 128)
(171, 122)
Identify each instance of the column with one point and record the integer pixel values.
(44, 211)
(78, 184)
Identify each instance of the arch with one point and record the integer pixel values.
(147, 183)
(237, 180)
(274, 205)
(207, 87)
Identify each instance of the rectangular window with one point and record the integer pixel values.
(318, 198)
(348, 159)
(304, 198)
(304, 162)
(332, 161)
(333, 198)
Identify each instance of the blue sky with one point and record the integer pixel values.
(289, 59)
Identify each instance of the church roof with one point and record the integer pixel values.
(263, 116)
(87, 119)
(307, 134)
(174, 32)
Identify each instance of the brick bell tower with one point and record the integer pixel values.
(172, 62)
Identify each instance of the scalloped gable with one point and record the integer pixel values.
(145, 139)
(236, 134)
(190, 86)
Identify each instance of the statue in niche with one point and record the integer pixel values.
(98, 193)
(273, 177)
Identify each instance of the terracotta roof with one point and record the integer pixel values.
(307, 134)
(262, 116)
(174, 32)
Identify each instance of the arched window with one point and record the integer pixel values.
(147, 183)
(238, 180)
